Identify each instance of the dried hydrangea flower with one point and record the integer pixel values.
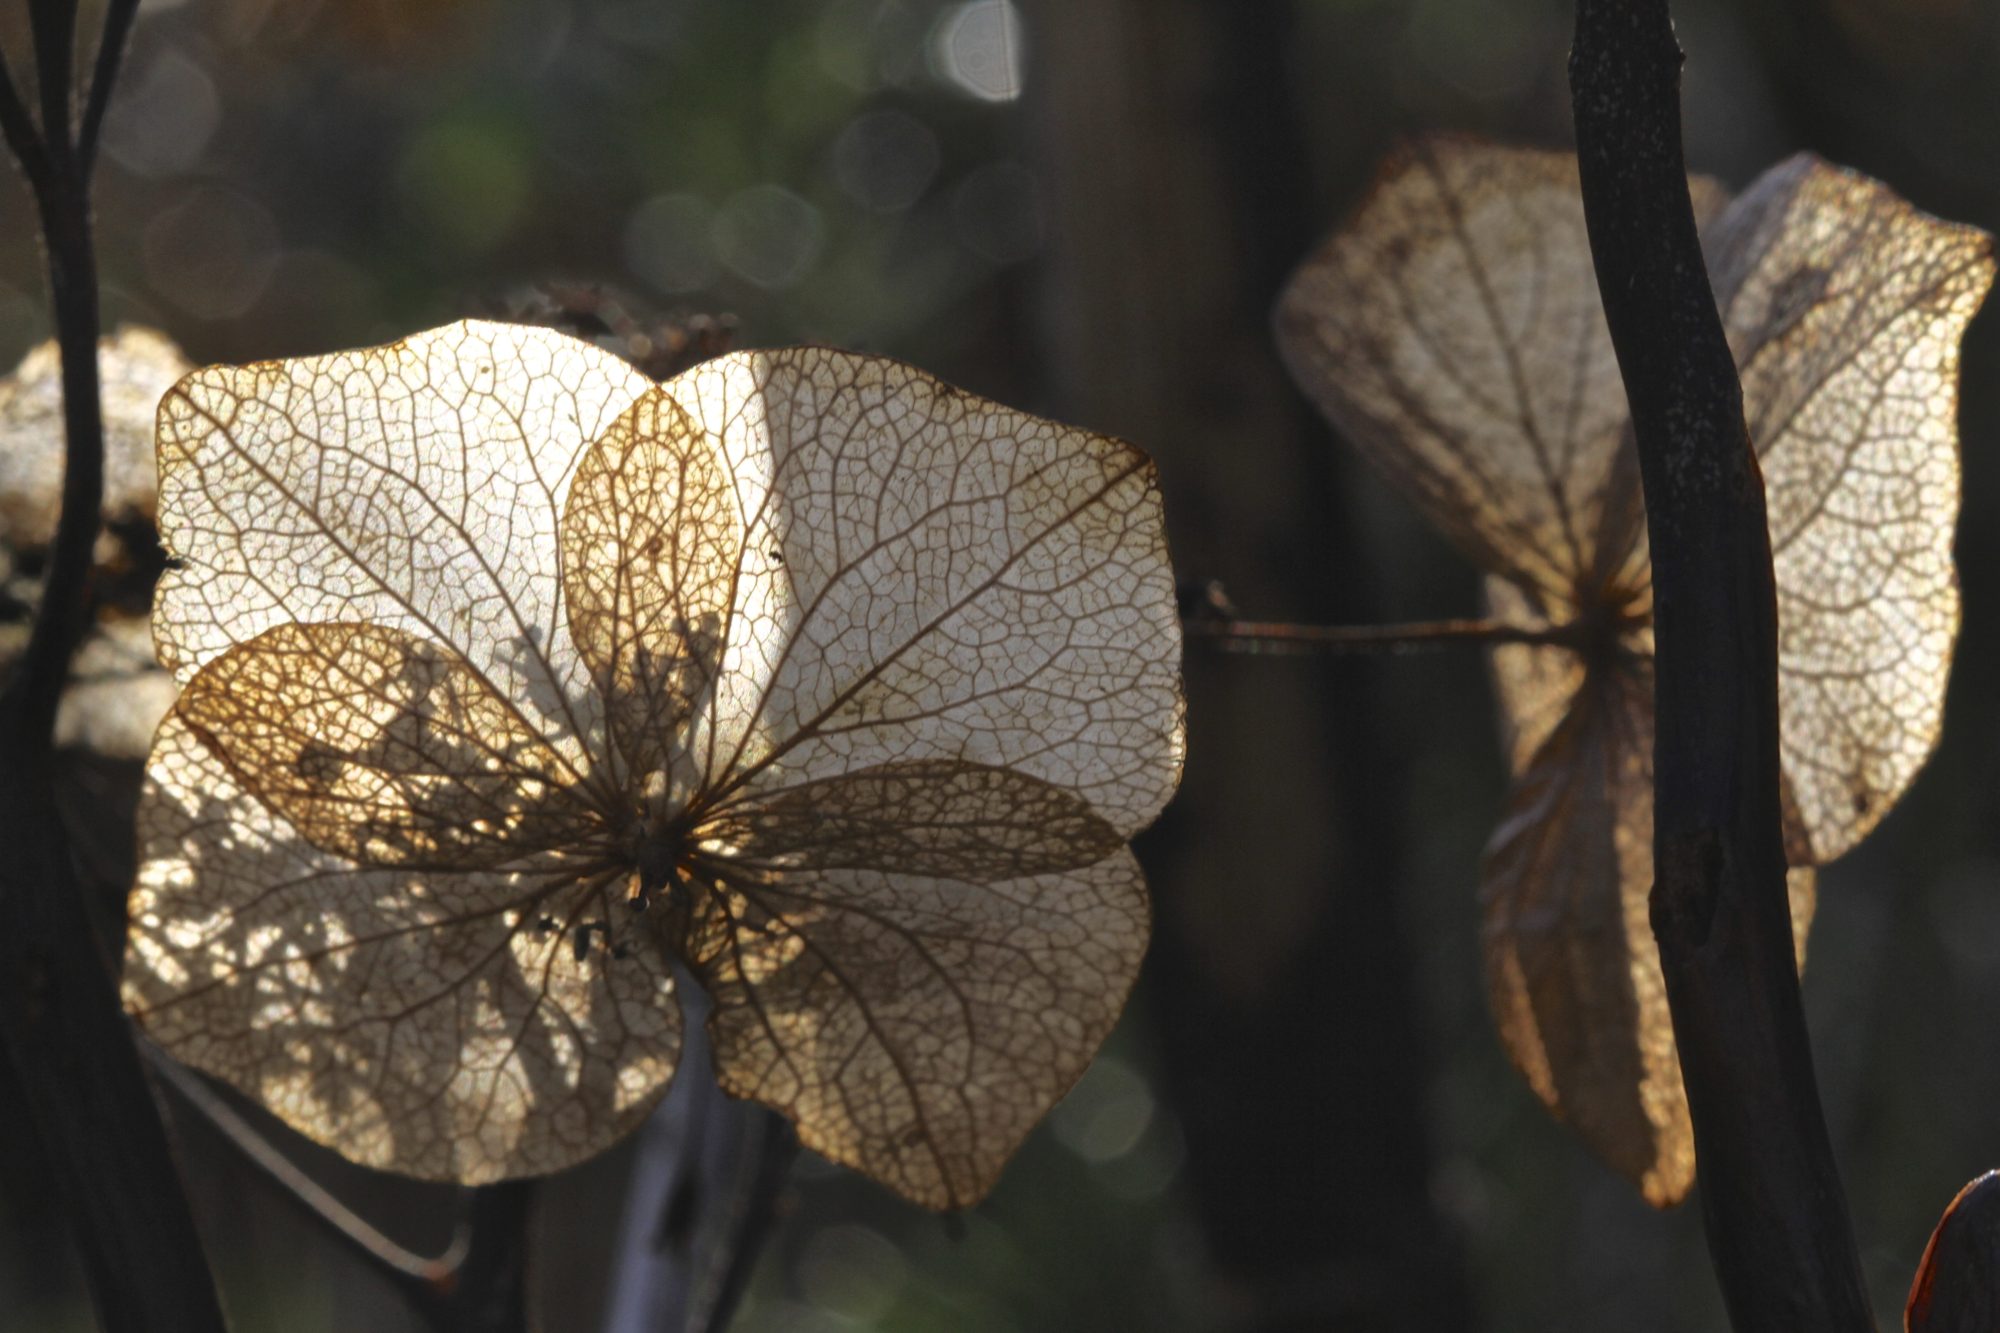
(516, 685)
(1451, 329)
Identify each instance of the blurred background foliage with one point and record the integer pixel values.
(1084, 207)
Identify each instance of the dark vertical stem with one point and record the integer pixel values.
(118, 19)
(1778, 1229)
(53, 23)
(72, 268)
(70, 1053)
(18, 128)
(64, 1033)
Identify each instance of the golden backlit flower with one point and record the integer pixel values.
(517, 688)
(1451, 330)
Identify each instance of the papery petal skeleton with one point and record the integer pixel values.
(1452, 330)
(514, 682)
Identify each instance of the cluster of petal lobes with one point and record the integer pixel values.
(1451, 329)
(515, 685)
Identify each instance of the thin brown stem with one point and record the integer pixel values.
(118, 20)
(1283, 638)
(476, 1284)
(18, 129)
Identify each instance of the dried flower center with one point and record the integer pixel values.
(659, 839)
(1606, 625)
(658, 859)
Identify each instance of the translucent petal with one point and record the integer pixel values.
(909, 658)
(1572, 972)
(415, 486)
(1445, 328)
(651, 545)
(1535, 687)
(439, 1023)
(382, 748)
(1845, 307)
(1451, 329)
(916, 1028)
(934, 817)
(929, 575)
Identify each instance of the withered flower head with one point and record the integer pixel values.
(1451, 330)
(515, 685)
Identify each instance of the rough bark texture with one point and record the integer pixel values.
(1279, 978)
(1777, 1220)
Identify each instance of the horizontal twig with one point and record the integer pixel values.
(1279, 637)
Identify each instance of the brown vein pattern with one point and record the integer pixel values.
(1451, 328)
(513, 682)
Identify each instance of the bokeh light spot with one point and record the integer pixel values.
(979, 49)
(162, 119)
(211, 252)
(768, 236)
(885, 160)
(853, 1272)
(667, 243)
(1107, 1113)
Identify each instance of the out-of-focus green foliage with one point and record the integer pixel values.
(285, 178)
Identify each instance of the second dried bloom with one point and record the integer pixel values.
(1452, 330)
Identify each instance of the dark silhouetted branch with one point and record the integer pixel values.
(61, 1024)
(18, 128)
(111, 44)
(1778, 1228)
(53, 23)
